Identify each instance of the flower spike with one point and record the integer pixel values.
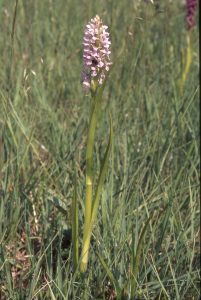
(96, 53)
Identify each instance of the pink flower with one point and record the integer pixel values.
(190, 13)
(96, 53)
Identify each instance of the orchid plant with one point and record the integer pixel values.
(96, 65)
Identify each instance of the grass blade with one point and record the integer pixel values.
(109, 274)
(136, 258)
(75, 240)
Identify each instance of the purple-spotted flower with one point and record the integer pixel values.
(190, 13)
(96, 53)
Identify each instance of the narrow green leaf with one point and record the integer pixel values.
(136, 258)
(164, 224)
(51, 291)
(75, 240)
(102, 176)
(109, 274)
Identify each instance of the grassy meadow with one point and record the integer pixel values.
(154, 161)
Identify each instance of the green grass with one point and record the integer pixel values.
(154, 163)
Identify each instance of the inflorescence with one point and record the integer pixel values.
(96, 53)
(190, 13)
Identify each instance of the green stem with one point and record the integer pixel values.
(89, 184)
(188, 61)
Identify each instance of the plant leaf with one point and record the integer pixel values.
(75, 239)
(102, 176)
(109, 273)
(136, 258)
